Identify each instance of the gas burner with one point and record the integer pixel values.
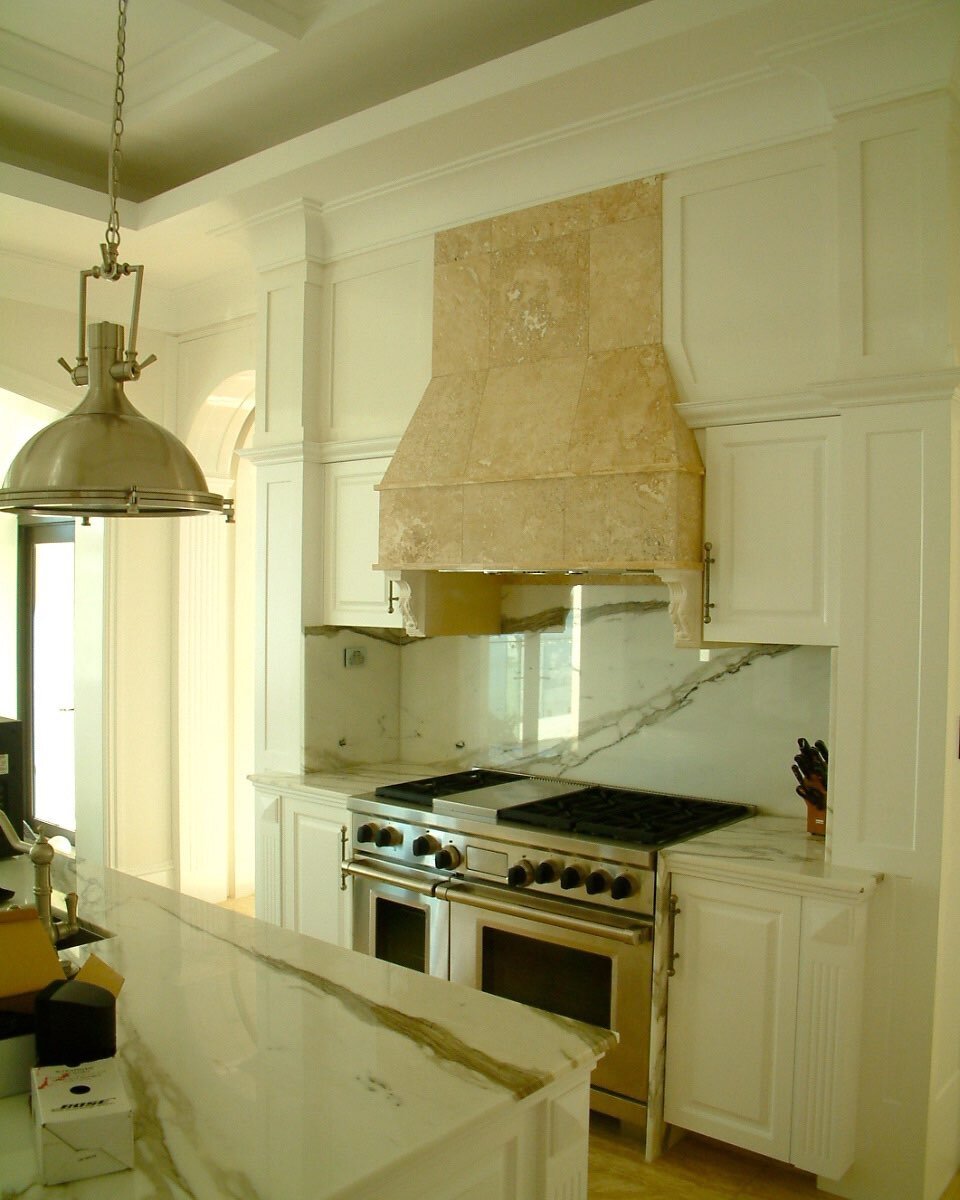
(647, 819)
(421, 793)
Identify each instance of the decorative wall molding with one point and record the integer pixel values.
(699, 414)
(321, 452)
(891, 389)
(823, 399)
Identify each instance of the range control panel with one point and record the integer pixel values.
(584, 877)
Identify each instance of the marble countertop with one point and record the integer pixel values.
(775, 851)
(263, 1063)
(346, 780)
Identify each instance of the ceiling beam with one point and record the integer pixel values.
(278, 25)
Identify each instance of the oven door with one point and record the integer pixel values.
(575, 962)
(397, 918)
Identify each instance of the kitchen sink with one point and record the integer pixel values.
(84, 936)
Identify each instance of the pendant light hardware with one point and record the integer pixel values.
(129, 369)
(105, 459)
(110, 267)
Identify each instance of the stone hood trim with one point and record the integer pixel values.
(547, 439)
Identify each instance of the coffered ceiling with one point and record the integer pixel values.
(236, 108)
(210, 82)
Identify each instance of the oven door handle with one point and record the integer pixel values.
(631, 933)
(410, 882)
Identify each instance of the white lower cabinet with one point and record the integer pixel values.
(763, 1022)
(312, 838)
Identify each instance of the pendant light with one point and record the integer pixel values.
(105, 459)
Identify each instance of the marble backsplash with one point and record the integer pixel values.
(584, 683)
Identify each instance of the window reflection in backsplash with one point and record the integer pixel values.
(584, 682)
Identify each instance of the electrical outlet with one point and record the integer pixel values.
(353, 656)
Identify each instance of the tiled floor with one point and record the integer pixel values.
(694, 1169)
(243, 904)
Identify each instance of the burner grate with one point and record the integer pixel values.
(647, 819)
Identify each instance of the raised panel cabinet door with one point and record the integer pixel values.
(772, 523)
(731, 1014)
(314, 902)
(354, 593)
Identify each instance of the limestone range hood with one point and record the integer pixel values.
(547, 440)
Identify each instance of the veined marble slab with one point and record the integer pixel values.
(265, 1065)
(776, 851)
(583, 683)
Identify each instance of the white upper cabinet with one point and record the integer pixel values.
(771, 522)
(353, 592)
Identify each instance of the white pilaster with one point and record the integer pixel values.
(286, 246)
(205, 697)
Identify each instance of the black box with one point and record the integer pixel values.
(11, 778)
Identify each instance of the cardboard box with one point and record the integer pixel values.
(82, 1119)
(28, 962)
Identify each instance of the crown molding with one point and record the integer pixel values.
(823, 399)
(321, 452)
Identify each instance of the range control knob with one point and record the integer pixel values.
(622, 887)
(388, 836)
(548, 871)
(520, 874)
(447, 859)
(366, 833)
(425, 844)
(571, 877)
(597, 882)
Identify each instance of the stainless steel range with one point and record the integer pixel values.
(539, 890)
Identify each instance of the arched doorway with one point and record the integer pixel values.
(215, 658)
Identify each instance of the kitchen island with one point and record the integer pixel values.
(266, 1065)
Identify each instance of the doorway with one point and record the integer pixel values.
(46, 655)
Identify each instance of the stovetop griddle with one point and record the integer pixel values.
(640, 818)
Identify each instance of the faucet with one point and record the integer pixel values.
(6, 828)
(41, 855)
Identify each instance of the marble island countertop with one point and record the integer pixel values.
(773, 851)
(266, 1065)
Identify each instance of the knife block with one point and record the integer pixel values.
(816, 820)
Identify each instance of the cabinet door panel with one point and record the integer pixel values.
(732, 1012)
(354, 593)
(771, 522)
(313, 901)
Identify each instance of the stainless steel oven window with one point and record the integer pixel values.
(401, 934)
(563, 980)
(399, 923)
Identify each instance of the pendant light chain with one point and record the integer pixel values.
(111, 247)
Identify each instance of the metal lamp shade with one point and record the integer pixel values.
(105, 458)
